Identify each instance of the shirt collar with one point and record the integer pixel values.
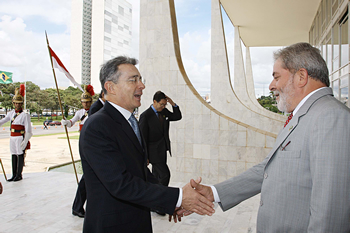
(301, 103)
(154, 109)
(101, 101)
(126, 114)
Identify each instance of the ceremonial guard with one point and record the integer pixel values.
(82, 114)
(21, 132)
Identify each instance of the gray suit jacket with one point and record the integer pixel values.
(306, 186)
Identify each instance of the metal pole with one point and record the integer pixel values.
(59, 101)
(3, 170)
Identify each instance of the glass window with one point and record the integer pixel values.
(344, 95)
(335, 47)
(344, 82)
(121, 10)
(324, 51)
(108, 13)
(329, 56)
(312, 37)
(108, 29)
(344, 59)
(335, 85)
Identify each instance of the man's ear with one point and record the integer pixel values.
(302, 77)
(109, 87)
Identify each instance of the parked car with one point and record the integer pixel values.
(52, 123)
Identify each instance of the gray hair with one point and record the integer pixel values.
(303, 55)
(109, 70)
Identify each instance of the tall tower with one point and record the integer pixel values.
(100, 30)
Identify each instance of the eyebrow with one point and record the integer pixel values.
(274, 74)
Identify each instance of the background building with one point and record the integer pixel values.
(100, 31)
(330, 33)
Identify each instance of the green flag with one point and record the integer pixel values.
(5, 77)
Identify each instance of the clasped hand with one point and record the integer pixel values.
(196, 198)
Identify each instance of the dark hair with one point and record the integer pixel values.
(158, 96)
(303, 55)
(100, 96)
(109, 70)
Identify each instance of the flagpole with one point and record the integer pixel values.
(25, 91)
(3, 170)
(59, 100)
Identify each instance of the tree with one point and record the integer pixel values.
(269, 102)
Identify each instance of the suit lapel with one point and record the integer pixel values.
(126, 127)
(293, 123)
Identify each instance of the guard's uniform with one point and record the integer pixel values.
(21, 132)
(81, 115)
(20, 125)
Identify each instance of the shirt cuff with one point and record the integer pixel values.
(179, 201)
(215, 194)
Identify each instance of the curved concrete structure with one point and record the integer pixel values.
(235, 102)
(205, 142)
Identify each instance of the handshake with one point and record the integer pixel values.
(195, 198)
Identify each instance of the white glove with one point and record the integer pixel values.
(66, 122)
(26, 138)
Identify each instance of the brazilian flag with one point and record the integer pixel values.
(5, 77)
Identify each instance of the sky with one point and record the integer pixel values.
(24, 50)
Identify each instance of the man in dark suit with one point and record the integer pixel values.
(80, 196)
(120, 188)
(154, 125)
(98, 104)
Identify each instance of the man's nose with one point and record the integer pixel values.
(141, 85)
(272, 85)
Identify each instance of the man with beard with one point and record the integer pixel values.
(304, 180)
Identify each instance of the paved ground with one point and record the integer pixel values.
(41, 202)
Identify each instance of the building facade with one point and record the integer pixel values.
(330, 33)
(100, 30)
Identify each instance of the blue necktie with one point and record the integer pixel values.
(135, 127)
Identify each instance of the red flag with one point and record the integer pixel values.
(58, 64)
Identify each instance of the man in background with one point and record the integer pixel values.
(154, 125)
(82, 115)
(98, 104)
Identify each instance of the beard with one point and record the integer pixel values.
(285, 96)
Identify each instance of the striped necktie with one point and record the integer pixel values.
(135, 127)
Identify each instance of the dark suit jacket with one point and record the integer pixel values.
(95, 107)
(156, 135)
(118, 182)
